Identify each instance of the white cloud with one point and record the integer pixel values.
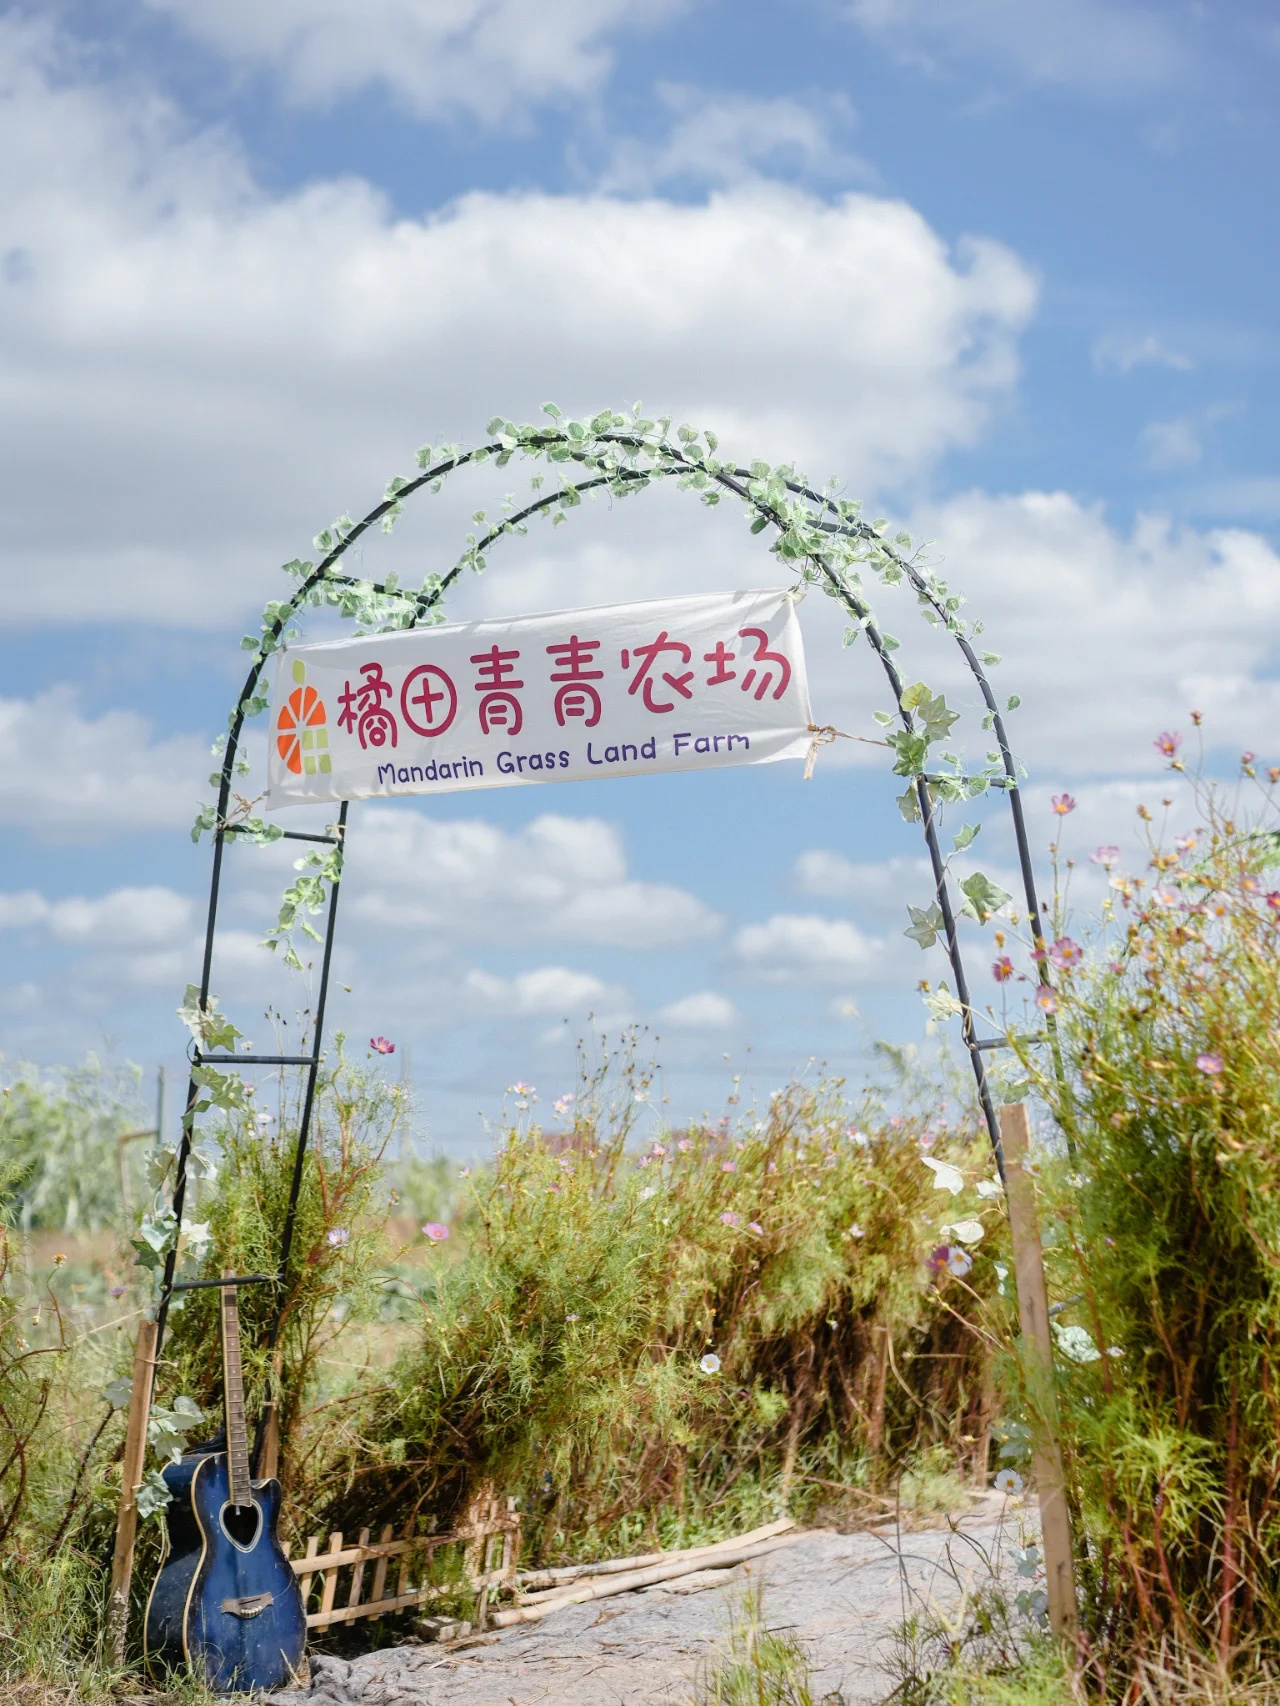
(1169, 445)
(881, 886)
(66, 775)
(486, 58)
(1124, 353)
(806, 949)
(1108, 636)
(550, 990)
(726, 138)
(1101, 47)
(126, 917)
(217, 366)
(558, 879)
(707, 1010)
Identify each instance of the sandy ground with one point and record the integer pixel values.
(843, 1597)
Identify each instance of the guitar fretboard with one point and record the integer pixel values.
(233, 1401)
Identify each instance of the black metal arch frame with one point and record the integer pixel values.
(829, 519)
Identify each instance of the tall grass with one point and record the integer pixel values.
(674, 1338)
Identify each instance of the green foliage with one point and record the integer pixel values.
(60, 1165)
(339, 1247)
(761, 1667)
(1163, 1233)
(676, 1340)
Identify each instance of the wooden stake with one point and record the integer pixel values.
(1037, 1362)
(135, 1452)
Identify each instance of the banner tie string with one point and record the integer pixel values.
(823, 734)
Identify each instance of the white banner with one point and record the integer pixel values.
(621, 690)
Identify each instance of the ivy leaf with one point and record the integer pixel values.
(153, 1495)
(982, 897)
(117, 1394)
(926, 922)
(1076, 1344)
(552, 410)
(967, 835)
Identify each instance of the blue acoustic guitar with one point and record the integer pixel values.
(225, 1603)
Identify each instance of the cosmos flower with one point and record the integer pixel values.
(435, 1231)
(729, 1218)
(1046, 999)
(856, 1231)
(1209, 1064)
(959, 1261)
(1184, 843)
(728, 1166)
(938, 1258)
(1062, 804)
(520, 1088)
(685, 1145)
(339, 1236)
(755, 1226)
(1009, 1482)
(710, 1363)
(1167, 743)
(1065, 952)
(573, 1317)
(380, 1045)
(1105, 856)
(1002, 970)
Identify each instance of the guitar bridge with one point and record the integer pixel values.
(251, 1606)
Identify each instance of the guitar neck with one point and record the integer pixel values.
(233, 1401)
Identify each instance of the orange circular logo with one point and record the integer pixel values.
(300, 716)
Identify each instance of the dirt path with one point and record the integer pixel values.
(842, 1596)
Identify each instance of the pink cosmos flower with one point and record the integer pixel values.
(685, 1144)
(339, 1236)
(1247, 757)
(1106, 856)
(1046, 999)
(1168, 743)
(1209, 1064)
(729, 1218)
(380, 1045)
(1065, 952)
(1272, 898)
(755, 1226)
(1002, 970)
(1184, 843)
(1063, 803)
(728, 1166)
(436, 1232)
(938, 1258)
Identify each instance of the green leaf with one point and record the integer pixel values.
(982, 896)
(153, 1494)
(967, 834)
(926, 922)
(1013, 702)
(552, 410)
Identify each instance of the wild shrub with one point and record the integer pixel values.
(681, 1336)
(1163, 1235)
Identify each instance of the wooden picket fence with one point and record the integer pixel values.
(489, 1535)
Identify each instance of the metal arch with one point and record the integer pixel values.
(734, 481)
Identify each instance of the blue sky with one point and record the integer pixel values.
(1008, 271)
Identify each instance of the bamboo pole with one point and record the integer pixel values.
(605, 1586)
(135, 1452)
(1037, 1362)
(557, 1580)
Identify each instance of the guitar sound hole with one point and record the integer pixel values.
(242, 1524)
